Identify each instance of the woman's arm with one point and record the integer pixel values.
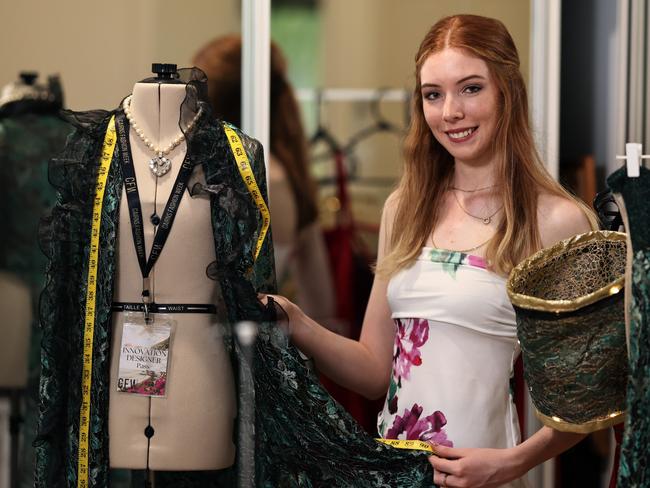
(363, 366)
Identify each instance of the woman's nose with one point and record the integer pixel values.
(452, 110)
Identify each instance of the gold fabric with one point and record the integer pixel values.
(571, 274)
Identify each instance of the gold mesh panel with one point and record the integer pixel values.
(571, 274)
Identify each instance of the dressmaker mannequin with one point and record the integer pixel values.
(193, 424)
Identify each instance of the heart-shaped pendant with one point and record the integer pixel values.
(160, 165)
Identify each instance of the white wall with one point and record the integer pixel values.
(101, 49)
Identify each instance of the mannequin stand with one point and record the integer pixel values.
(15, 396)
(150, 480)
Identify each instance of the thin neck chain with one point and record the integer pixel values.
(473, 191)
(486, 220)
(126, 105)
(461, 250)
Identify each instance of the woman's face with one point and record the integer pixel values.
(460, 104)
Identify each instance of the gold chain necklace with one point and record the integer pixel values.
(486, 220)
(461, 250)
(473, 191)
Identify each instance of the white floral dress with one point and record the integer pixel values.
(453, 357)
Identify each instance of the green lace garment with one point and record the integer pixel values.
(27, 142)
(634, 470)
(302, 437)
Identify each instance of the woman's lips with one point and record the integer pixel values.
(461, 135)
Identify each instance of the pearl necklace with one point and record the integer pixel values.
(159, 164)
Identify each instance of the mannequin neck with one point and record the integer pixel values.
(156, 108)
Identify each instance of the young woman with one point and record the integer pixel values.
(439, 336)
(299, 248)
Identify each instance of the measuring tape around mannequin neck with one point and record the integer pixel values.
(246, 172)
(89, 320)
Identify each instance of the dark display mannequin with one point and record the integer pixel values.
(31, 132)
(632, 196)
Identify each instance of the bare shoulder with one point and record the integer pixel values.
(559, 218)
(390, 211)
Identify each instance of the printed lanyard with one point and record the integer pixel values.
(135, 209)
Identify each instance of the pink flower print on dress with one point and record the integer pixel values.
(411, 335)
(411, 427)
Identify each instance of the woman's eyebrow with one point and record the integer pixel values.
(462, 80)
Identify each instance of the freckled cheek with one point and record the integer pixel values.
(480, 112)
(433, 119)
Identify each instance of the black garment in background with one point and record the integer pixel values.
(634, 469)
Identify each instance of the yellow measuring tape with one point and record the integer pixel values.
(246, 172)
(89, 329)
(411, 444)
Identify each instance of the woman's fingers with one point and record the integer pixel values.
(444, 479)
(448, 452)
(443, 465)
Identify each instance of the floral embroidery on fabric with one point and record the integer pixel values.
(451, 260)
(411, 335)
(411, 427)
(288, 376)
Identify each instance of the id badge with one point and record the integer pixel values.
(144, 355)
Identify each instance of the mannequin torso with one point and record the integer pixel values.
(193, 424)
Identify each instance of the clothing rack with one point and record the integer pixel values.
(633, 158)
(352, 94)
(374, 97)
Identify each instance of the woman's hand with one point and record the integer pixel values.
(292, 310)
(475, 468)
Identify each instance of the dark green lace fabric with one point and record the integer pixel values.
(302, 437)
(589, 380)
(634, 470)
(27, 142)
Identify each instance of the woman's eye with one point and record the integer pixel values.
(432, 95)
(471, 89)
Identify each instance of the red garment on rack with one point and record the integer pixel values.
(352, 275)
(618, 436)
(520, 396)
